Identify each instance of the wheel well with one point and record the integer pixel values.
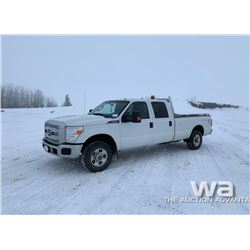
(102, 137)
(199, 128)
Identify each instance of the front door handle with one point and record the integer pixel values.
(170, 123)
(151, 124)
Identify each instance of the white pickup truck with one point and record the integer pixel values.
(119, 125)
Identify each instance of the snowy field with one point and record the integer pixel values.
(34, 182)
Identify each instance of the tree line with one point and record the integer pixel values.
(13, 96)
(211, 105)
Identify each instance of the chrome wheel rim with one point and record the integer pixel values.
(197, 140)
(99, 157)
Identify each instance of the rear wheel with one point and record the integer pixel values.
(195, 140)
(97, 156)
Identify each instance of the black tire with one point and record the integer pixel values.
(195, 140)
(97, 156)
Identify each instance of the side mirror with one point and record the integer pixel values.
(136, 117)
(90, 110)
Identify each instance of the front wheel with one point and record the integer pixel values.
(98, 156)
(195, 140)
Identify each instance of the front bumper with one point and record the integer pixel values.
(71, 151)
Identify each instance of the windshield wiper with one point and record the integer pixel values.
(99, 114)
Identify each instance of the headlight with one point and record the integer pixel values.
(72, 133)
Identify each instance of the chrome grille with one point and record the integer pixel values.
(52, 132)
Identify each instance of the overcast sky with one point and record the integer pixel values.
(212, 68)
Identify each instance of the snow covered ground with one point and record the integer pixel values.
(34, 182)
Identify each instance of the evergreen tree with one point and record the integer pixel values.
(67, 101)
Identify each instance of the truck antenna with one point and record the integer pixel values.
(84, 103)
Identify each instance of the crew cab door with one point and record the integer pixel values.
(163, 122)
(136, 134)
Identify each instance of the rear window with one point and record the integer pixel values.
(160, 109)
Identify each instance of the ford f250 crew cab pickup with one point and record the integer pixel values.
(119, 125)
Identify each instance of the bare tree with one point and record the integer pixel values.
(50, 102)
(13, 96)
(39, 99)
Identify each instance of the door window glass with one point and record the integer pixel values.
(160, 109)
(138, 107)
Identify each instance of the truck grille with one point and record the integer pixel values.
(52, 133)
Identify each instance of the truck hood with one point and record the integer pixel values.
(81, 120)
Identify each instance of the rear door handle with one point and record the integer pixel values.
(151, 124)
(170, 123)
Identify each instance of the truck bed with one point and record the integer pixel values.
(184, 124)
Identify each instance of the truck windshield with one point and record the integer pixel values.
(109, 109)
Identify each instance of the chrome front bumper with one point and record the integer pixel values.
(64, 150)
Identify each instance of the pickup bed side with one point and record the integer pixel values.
(185, 125)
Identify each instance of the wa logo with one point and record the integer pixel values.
(221, 188)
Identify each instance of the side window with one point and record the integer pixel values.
(140, 107)
(160, 109)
